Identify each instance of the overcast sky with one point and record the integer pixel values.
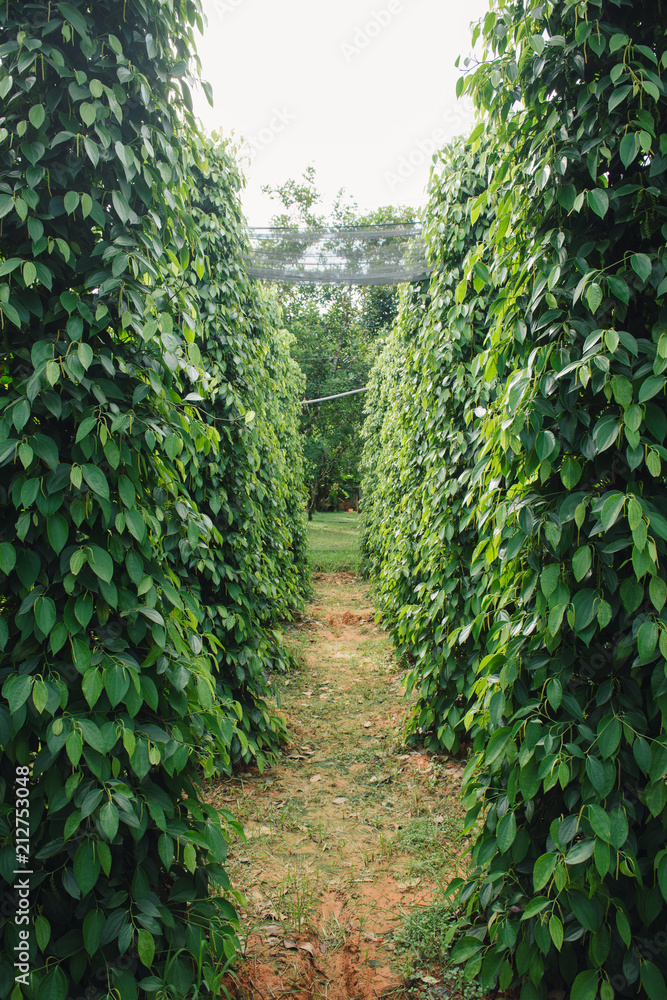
(363, 91)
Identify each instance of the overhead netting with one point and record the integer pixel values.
(339, 255)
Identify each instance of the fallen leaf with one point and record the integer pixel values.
(271, 930)
(288, 943)
(307, 946)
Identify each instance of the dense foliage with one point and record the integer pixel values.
(537, 553)
(150, 530)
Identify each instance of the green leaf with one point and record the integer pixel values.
(619, 828)
(593, 296)
(135, 524)
(93, 926)
(92, 686)
(543, 870)
(653, 981)
(71, 201)
(85, 355)
(74, 747)
(96, 479)
(549, 578)
(584, 603)
(88, 114)
(657, 589)
(74, 17)
(40, 695)
(618, 288)
(585, 986)
(647, 640)
(628, 148)
(602, 857)
(7, 557)
(642, 754)
(641, 265)
(83, 610)
(109, 820)
(506, 832)
(57, 529)
(42, 931)
(595, 772)
(54, 986)
(605, 433)
(116, 683)
(556, 932)
(45, 614)
(611, 510)
(554, 693)
(651, 386)
(101, 563)
(37, 114)
(604, 614)
(581, 561)
(86, 867)
(598, 199)
(166, 850)
(145, 947)
(609, 736)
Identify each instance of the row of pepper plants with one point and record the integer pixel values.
(151, 491)
(516, 511)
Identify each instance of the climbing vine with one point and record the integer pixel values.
(132, 465)
(566, 507)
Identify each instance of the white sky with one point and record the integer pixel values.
(363, 91)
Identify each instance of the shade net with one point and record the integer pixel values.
(338, 255)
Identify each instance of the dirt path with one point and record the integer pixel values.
(350, 830)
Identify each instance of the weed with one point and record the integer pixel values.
(296, 898)
(333, 934)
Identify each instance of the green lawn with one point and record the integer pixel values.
(332, 543)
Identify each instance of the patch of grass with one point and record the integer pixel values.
(428, 845)
(333, 543)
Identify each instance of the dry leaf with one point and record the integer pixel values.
(307, 946)
(288, 943)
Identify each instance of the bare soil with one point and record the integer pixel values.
(335, 853)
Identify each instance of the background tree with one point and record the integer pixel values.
(338, 331)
